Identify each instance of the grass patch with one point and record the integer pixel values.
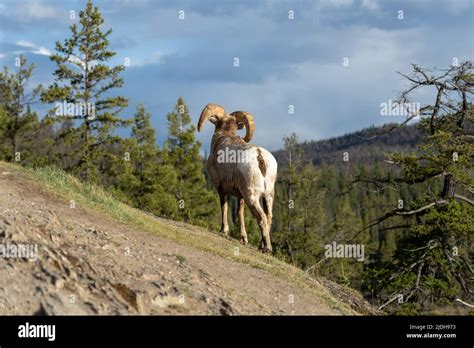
(181, 258)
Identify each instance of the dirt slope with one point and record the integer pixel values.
(90, 263)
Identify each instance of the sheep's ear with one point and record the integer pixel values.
(240, 125)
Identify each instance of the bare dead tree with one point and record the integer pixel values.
(451, 111)
(444, 163)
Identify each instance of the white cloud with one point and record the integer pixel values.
(34, 48)
(370, 4)
(458, 6)
(27, 11)
(335, 3)
(153, 58)
(77, 61)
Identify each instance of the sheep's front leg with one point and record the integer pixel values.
(243, 233)
(224, 224)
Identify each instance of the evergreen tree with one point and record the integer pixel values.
(145, 155)
(195, 201)
(146, 179)
(81, 92)
(300, 216)
(43, 144)
(17, 117)
(5, 147)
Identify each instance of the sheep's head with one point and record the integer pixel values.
(227, 124)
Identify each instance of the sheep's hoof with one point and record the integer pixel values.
(224, 233)
(243, 241)
(265, 250)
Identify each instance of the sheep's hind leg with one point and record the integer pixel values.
(243, 233)
(257, 211)
(224, 224)
(268, 208)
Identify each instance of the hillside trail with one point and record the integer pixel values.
(90, 264)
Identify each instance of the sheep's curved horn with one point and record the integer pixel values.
(209, 111)
(247, 119)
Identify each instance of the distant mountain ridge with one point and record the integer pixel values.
(363, 147)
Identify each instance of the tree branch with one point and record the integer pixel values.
(462, 198)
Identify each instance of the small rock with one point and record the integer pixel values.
(59, 283)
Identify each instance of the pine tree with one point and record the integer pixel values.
(285, 200)
(83, 81)
(5, 148)
(42, 145)
(145, 155)
(17, 117)
(299, 209)
(27, 138)
(195, 201)
(145, 179)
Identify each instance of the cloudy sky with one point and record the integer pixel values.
(289, 52)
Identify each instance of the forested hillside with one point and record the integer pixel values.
(367, 146)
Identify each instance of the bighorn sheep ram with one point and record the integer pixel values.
(243, 170)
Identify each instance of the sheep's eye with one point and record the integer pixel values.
(240, 125)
